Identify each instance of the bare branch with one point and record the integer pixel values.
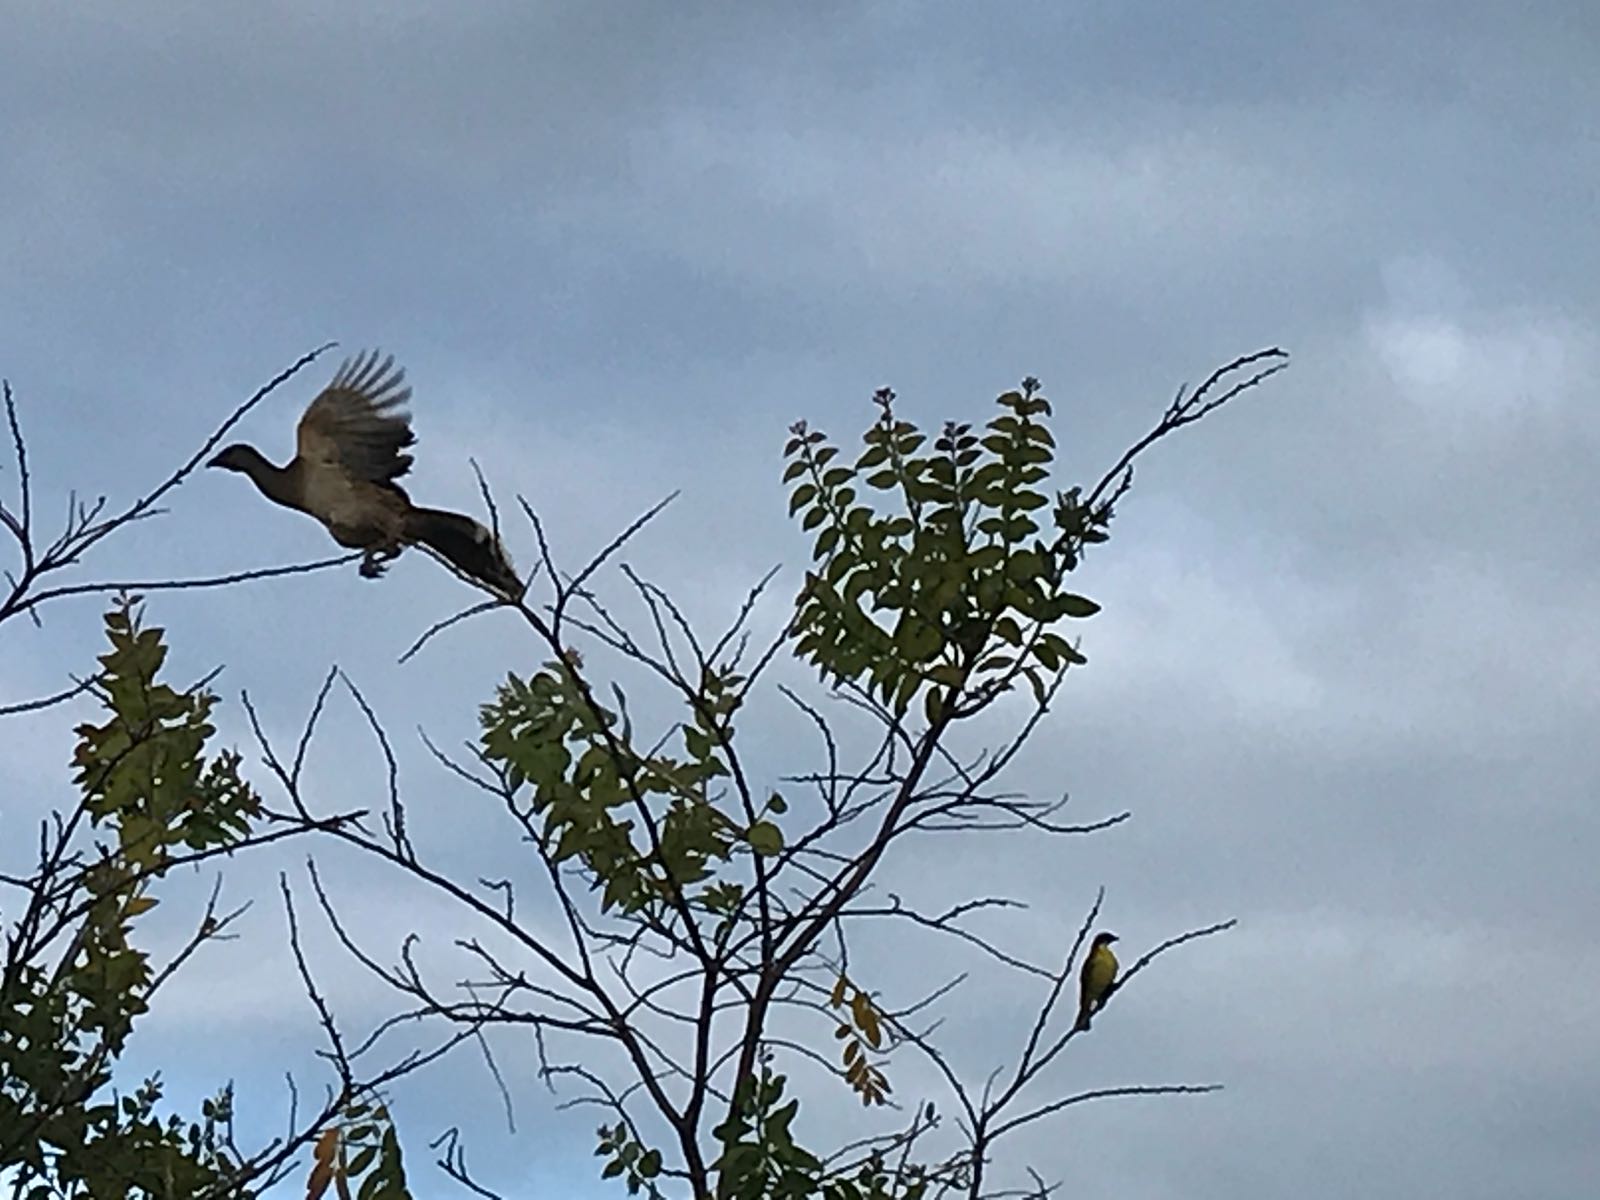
(1187, 409)
(172, 585)
(1055, 1106)
(77, 689)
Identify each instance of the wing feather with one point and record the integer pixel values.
(358, 423)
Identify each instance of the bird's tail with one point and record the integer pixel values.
(466, 545)
(1085, 1014)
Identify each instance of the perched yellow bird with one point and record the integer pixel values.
(1095, 979)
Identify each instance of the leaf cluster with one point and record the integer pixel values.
(589, 783)
(860, 1029)
(627, 1157)
(75, 980)
(759, 1156)
(954, 580)
(361, 1144)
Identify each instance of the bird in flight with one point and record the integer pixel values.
(1095, 979)
(348, 454)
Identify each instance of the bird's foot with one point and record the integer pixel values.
(377, 560)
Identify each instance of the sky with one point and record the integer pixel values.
(1343, 675)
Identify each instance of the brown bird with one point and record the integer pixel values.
(1095, 979)
(347, 457)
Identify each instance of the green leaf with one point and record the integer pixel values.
(1078, 606)
(907, 688)
(765, 838)
(985, 559)
(917, 640)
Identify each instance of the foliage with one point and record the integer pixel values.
(74, 978)
(956, 582)
(759, 1157)
(860, 1033)
(582, 771)
(361, 1143)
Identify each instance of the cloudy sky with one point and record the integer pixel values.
(1343, 676)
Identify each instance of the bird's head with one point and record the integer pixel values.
(1104, 939)
(236, 457)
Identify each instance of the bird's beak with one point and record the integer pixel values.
(214, 461)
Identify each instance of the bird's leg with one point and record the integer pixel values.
(376, 560)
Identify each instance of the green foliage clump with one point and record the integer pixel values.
(74, 979)
(578, 759)
(957, 583)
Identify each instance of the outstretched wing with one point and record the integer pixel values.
(357, 424)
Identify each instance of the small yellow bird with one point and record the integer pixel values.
(1095, 979)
